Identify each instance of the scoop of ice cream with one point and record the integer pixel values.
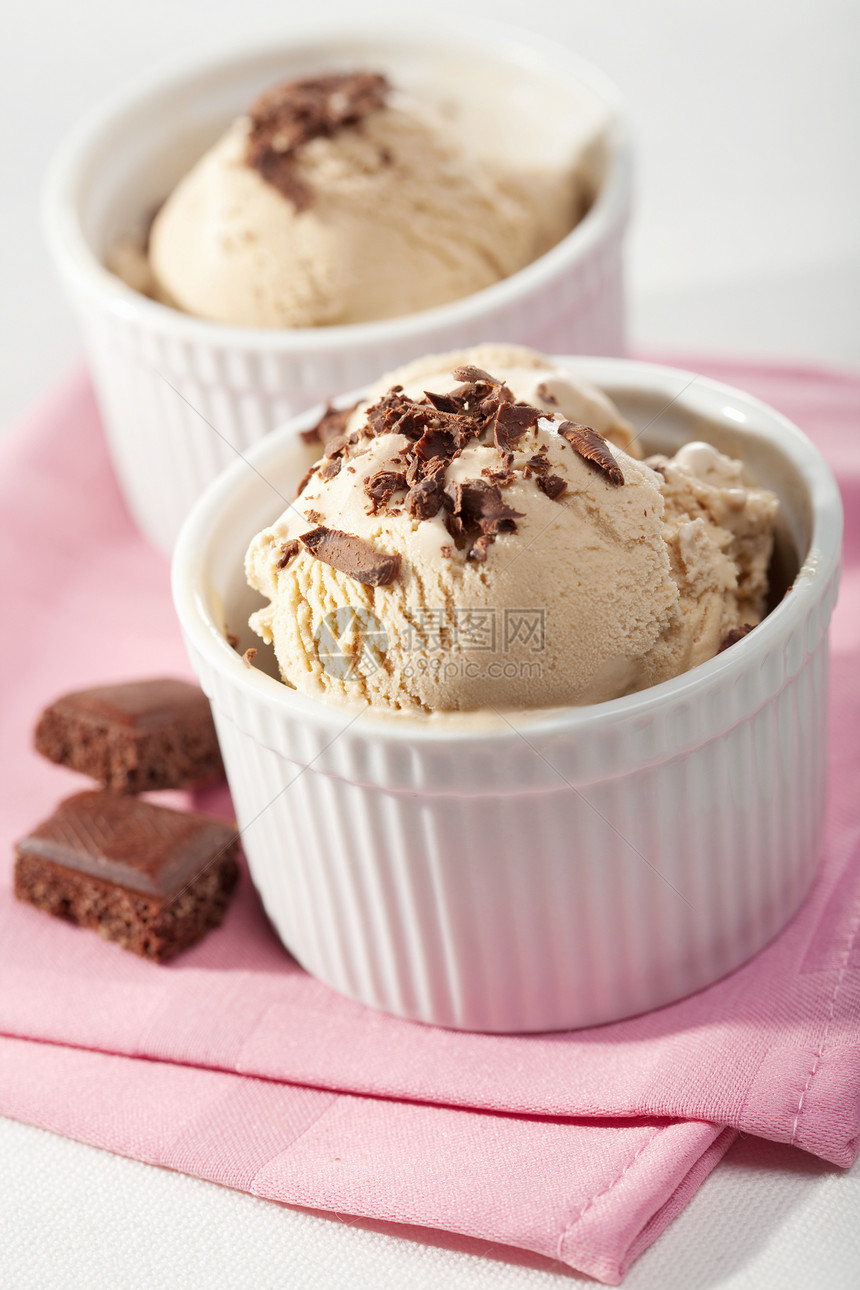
(458, 547)
(340, 200)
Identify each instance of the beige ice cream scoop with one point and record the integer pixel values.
(459, 547)
(339, 200)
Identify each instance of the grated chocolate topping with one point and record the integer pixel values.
(331, 424)
(436, 428)
(287, 117)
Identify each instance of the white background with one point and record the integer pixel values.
(746, 113)
(747, 117)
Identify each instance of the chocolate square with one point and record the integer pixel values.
(150, 879)
(134, 737)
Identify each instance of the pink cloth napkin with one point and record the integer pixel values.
(234, 1065)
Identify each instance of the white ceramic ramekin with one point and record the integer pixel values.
(589, 863)
(181, 396)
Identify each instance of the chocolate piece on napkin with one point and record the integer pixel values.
(150, 879)
(139, 736)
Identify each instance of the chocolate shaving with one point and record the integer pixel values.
(538, 464)
(490, 403)
(501, 476)
(382, 416)
(414, 420)
(436, 443)
(288, 550)
(735, 635)
(474, 376)
(552, 485)
(424, 500)
(249, 656)
(352, 556)
(478, 503)
(306, 479)
(286, 118)
(545, 395)
(331, 468)
(382, 486)
(336, 444)
(414, 469)
(443, 402)
(512, 421)
(592, 448)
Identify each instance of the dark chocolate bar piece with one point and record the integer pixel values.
(134, 737)
(151, 879)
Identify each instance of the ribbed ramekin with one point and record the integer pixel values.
(540, 870)
(180, 396)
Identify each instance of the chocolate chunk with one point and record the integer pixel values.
(442, 402)
(288, 550)
(546, 395)
(286, 118)
(552, 485)
(512, 421)
(336, 444)
(382, 416)
(331, 468)
(425, 498)
(436, 442)
(592, 448)
(735, 635)
(413, 420)
(314, 517)
(489, 405)
(331, 424)
(134, 737)
(382, 486)
(476, 502)
(150, 879)
(352, 556)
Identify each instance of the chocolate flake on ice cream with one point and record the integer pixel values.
(286, 119)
